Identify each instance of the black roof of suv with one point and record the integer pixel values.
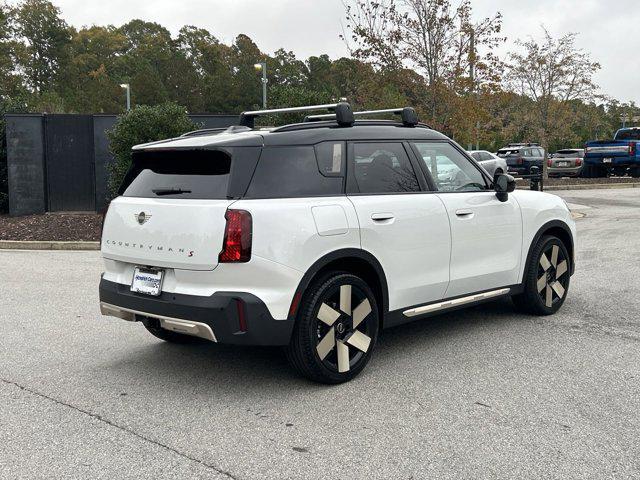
(313, 130)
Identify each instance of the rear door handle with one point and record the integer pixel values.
(464, 213)
(381, 217)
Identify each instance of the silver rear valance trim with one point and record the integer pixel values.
(178, 325)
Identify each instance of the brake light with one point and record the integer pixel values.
(632, 148)
(549, 163)
(237, 237)
(578, 162)
(519, 161)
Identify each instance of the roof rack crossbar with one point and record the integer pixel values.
(342, 110)
(408, 114)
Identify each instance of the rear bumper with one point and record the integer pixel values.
(564, 171)
(216, 318)
(615, 161)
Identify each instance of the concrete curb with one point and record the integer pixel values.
(47, 245)
(592, 186)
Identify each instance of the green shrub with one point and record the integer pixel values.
(141, 125)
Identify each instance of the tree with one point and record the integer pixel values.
(440, 42)
(44, 39)
(552, 73)
(141, 125)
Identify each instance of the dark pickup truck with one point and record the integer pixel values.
(614, 157)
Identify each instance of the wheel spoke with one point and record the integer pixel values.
(359, 340)
(327, 315)
(544, 262)
(361, 312)
(326, 344)
(561, 269)
(542, 282)
(554, 255)
(549, 297)
(343, 357)
(345, 299)
(558, 288)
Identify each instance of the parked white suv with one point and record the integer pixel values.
(493, 164)
(317, 235)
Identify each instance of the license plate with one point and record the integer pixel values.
(607, 160)
(563, 164)
(147, 281)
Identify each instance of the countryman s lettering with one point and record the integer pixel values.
(315, 236)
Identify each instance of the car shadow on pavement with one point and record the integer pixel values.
(244, 369)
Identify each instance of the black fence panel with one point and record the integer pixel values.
(70, 164)
(102, 157)
(25, 164)
(61, 162)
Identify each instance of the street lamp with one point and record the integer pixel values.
(128, 88)
(263, 68)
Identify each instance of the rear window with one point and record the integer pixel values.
(296, 172)
(508, 151)
(569, 152)
(198, 174)
(628, 134)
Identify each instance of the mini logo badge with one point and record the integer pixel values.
(142, 217)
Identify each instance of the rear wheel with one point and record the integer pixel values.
(634, 172)
(336, 329)
(546, 278)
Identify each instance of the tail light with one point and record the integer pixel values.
(237, 237)
(632, 148)
(578, 162)
(549, 163)
(519, 161)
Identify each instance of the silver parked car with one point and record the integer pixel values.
(490, 162)
(566, 163)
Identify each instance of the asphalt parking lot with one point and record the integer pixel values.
(481, 393)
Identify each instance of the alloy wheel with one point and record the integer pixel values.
(553, 275)
(343, 326)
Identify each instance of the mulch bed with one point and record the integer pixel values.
(52, 227)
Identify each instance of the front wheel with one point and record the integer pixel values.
(336, 329)
(546, 278)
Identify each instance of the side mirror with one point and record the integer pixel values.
(504, 184)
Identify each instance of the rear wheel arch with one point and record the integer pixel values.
(350, 260)
(558, 229)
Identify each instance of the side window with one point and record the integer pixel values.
(331, 158)
(477, 156)
(450, 170)
(284, 172)
(486, 156)
(383, 168)
(540, 152)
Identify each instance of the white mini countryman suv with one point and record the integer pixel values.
(317, 235)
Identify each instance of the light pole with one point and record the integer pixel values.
(262, 66)
(127, 87)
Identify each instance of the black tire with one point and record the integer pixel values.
(546, 284)
(317, 333)
(634, 172)
(168, 335)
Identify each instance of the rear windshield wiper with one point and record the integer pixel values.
(170, 191)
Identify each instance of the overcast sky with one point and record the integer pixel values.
(608, 29)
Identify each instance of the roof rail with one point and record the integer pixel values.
(207, 131)
(408, 115)
(342, 113)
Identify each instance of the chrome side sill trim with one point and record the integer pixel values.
(178, 325)
(433, 307)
